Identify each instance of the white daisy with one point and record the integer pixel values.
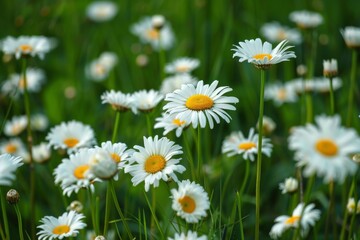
(330, 68)
(275, 32)
(268, 125)
(188, 236)
(155, 161)
(145, 100)
(190, 201)
(149, 34)
(290, 185)
(73, 173)
(67, 225)
(39, 122)
(236, 143)
(322, 84)
(280, 93)
(71, 136)
(8, 165)
(101, 11)
(99, 69)
(13, 146)
(27, 46)
(325, 148)
(170, 123)
(108, 59)
(352, 207)
(262, 55)
(102, 165)
(118, 152)
(302, 86)
(175, 82)
(182, 65)
(305, 19)
(200, 104)
(308, 218)
(119, 101)
(351, 36)
(41, 153)
(15, 126)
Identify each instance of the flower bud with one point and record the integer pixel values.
(289, 186)
(12, 196)
(330, 68)
(158, 22)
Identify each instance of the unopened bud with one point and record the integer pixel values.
(12, 196)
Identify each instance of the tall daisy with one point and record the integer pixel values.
(351, 36)
(118, 152)
(189, 235)
(146, 100)
(67, 225)
(119, 101)
(236, 143)
(275, 32)
(71, 136)
(190, 201)
(280, 93)
(200, 104)
(170, 123)
(325, 148)
(101, 11)
(182, 65)
(154, 162)
(8, 165)
(306, 19)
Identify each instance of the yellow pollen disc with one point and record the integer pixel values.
(153, 34)
(115, 157)
(188, 204)
(79, 172)
(199, 102)
(71, 142)
(154, 164)
(10, 148)
(326, 147)
(292, 220)
(182, 68)
(178, 122)
(262, 56)
(281, 94)
(61, 229)
(100, 69)
(246, 145)
(21, 83)
(25, 48)
(281, 35)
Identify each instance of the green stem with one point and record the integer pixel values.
(93, 212)
(259, 155)
(116, 126)
(153, 206)
(355, 210)
(2, 233)
(246, 177)
(189, 156)
(332, 102)
(107, 208)
(19, 222)
(161, 61)
(199, 159)
(3, 209)
(352, 88)
(330, 210)
(149, 125)
(343, 228)
(239, 201)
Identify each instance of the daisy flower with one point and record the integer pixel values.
(8, 165)
(15, 126)
(67, 225)
(119, 101)
(41, 153)
(154, 162)
(290, 185)
(268, 125)
(170, 123)
(351, 36)
(190, 201)
(330, 68)
(325, 148)
(118, 152)
(13, 146)
(200, 104)
(145, 101)
(99, 69)
(175, 82)
(280, 93)
(101, 11)
(308, 218)
(236, 143)
(39, 122)
(71, 136)
(182, 65)
(352, 207)
(306, 19)
(322, 84)
(73, 173)
(262, 55)
(27, 46)
(102, 165)
(188, 236)
(275, 32)
(154, 36)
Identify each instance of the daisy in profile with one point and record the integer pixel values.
(170, 123)
(41, 153)
(322, 84)
(154, 162)
(308, 218)
(330, 68)
(118, 152)
(102, 165)
(67, 225)
(190, 201)
(190, 235)
(15, 126)
(275, 32)
(325, 148)
(200, 104)
(175, 82)
(71, 136)
(146, 100)
(8, 165)
(101, 11)
(74, 173)
(351, 36)
(262, 55)
(280, 93)
(352, 207)
(290, 185)
(182, 65)
(150, 33)
(27, 46)
(305, 19)
(119, 101)
(99, 69)
(236, 143)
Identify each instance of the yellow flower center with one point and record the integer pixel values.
(71, 142)
(100, 69)
(25, 48)
(21, 83)
(199, 102)
(281, 35)
(182, 68)
(115, 157)
(246, 145)
(292, 220)
(79, 171)
(153, 34)
(281, 94)
(326, 147)
(61, 229)
(188, 204)
(262, 56)
(154, 164)
(178, 122)
(10, 148)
